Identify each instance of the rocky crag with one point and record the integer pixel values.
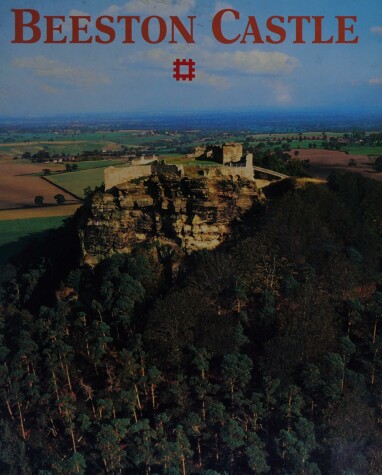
(183, 213)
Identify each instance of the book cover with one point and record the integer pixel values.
(190, 237)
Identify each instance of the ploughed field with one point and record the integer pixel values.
(322, 162)
(18, 188)
(20, 181)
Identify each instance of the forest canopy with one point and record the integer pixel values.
(261, 357)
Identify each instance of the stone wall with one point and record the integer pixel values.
(116, 176)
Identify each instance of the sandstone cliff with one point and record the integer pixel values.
(185, 213)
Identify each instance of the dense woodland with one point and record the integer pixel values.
(262, 357)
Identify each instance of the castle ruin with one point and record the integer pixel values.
(230, 152)
(230, 155)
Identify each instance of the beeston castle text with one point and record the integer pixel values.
(32, 27)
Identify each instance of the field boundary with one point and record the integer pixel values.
(62, 188)
(47, 211)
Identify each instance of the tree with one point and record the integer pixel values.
(236, 373)
(39, 200)
(378, 164)
(60, 198)
(71, 167)
(233, 438)
(256, 454)
(108, 444)
(74, 465)
(47, 171)
(295, 446)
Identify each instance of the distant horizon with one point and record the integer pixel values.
(176, 112)
(260, 121)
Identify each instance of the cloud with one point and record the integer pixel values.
(255, 63)
(222, 6)
(43, 67)
(376, 30)
(152, 7)
(251, 62)
(212, 80)
(157, 57)
(75, 12)
(281, 92)
(163, 59)
(218, 69)
(375, 81)
(50, 89)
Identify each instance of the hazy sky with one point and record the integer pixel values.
(38, 79)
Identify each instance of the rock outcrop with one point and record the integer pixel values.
(188, 213)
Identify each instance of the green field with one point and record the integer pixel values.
(58, 169)
(119, 137)
(74, 143)
(76, 182)
(88, 165)
(363, 149)
(355, 149)
(16, 234)
(53, 148)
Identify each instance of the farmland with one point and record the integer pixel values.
(95, 149)
(322, 162)
(16, 234)
(76, 182)
(19, 186)
(38, 212)
(50, 161)
(21, 181)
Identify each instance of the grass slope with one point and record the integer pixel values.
(76, 182)
(16, 234)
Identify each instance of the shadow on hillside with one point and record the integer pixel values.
(14, 251)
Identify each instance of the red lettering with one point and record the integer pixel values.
(32, 25)
(188, 36)
(252, 29)
(146, 30)
(342, 29)
(108, 30)
(299, 27)
(155, 29)
(217, 26)
(318, 31)
(76, 28)
(278, 30)
(128, 27)
(50, 29)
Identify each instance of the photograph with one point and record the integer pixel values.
(190, 237)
